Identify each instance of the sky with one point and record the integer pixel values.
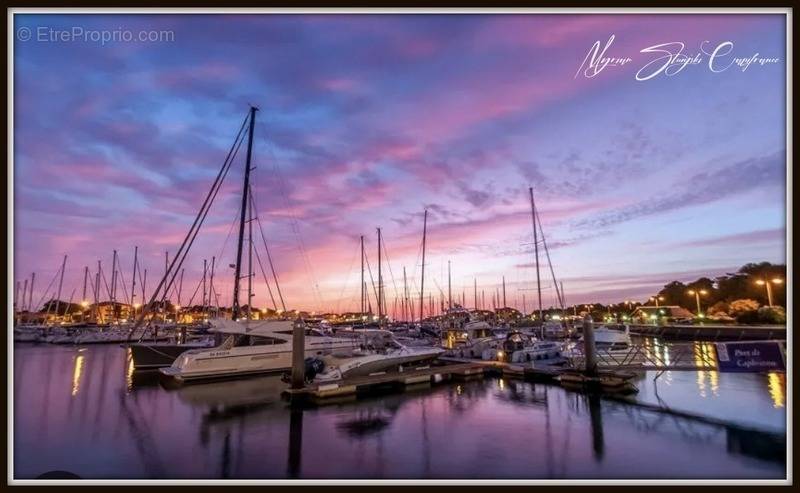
(365, 121)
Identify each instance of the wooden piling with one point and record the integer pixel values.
(589, 346)
(298, 355)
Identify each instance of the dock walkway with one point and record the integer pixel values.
(351, 387)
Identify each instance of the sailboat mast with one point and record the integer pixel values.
(504, 292)
(405, 295)
(363, 286)
(97, 292)
(211, 291)
(205, 292)
(380, 280)
(449, 288)
(475, 292)
(133, 283)
(85, 279)
(243, 215)
(24, 294)
(166, 295)
(60, 283)
(113, 280)
(250, 260)
(422, 281)
(30, 294)
(536, 251)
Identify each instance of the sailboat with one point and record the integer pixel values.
(553, 328)
(246, 346)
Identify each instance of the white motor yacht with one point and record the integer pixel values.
(522, 348)
(251, 347)
(468, 341)
(378, 351)
(612, 339)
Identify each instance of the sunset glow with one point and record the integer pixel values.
(367, 120)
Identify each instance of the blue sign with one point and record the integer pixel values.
(751, 356)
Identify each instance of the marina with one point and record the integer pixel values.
(88, 401)
(290, 247)
(290, 363)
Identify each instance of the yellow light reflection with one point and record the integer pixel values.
(129, 371)
(77, 372)
(704, 358)
(713, 377)
(502, 384)
(701, 383)
(777, 388)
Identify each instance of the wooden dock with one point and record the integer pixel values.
(350, 388)
(513, 370)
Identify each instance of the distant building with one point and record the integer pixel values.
(669, 313)
(508, 314)
(107, 311)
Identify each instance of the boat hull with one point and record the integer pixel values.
(224, 366)
(380, 365)
(151, 356)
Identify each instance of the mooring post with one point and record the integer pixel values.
(298, 354)
(588, 345)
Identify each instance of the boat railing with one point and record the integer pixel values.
(660, 358)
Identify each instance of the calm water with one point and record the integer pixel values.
(82, 410)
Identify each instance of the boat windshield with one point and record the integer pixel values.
(251, 340)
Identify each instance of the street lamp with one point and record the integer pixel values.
(763, 282)
(697, 293)
(656, 299)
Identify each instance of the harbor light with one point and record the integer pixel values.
(84, 304)
(697, 294)
(762, 282)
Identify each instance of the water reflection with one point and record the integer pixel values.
(777, 388)
(365, 423)
(595, 413)
(77, 372)
(104, 423)
(295, 442)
